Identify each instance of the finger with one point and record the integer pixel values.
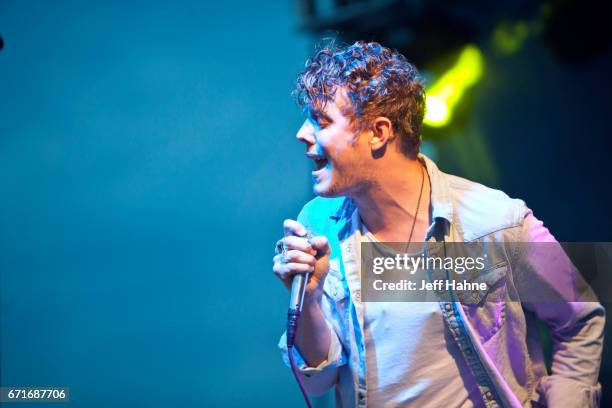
(287, 270)
(279, 272)
(277, 269)
(321, 245)
(300, 244)
(292, 227)
(300, 257)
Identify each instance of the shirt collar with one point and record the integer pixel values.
(440, 192)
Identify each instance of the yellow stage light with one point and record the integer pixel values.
(444, 95)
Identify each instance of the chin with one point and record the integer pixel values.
(319, 191)
(326, 194)
(326, 191)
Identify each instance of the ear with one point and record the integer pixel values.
(381, 133)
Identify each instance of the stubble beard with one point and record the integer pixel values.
(344, 182)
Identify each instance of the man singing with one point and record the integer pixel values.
(365, 106)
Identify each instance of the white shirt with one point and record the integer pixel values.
(411, 358)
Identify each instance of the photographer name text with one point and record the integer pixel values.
(436, 285)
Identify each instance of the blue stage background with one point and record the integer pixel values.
(148, 159)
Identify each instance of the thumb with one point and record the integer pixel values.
(321, 245)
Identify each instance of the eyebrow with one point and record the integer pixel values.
(318, 114)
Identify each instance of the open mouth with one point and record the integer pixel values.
(318, 160)
(319, 163)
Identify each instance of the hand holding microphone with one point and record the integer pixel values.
(298, 252)
(302, 263)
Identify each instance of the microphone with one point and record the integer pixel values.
(298, 290)
(296, 301)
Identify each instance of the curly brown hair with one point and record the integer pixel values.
(377, 80)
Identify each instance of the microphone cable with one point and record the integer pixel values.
(293, 317)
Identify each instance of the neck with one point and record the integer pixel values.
(388, 207)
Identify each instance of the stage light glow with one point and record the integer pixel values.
(447, 91)
(437, 111)
(509, 38)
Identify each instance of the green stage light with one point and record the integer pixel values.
(444, 95)
(509, 38)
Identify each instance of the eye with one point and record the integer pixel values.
(319, 119)
(323, 123)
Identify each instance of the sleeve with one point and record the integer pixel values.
(317, 380)
(552, 288)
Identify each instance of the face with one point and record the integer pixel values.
(339, 154)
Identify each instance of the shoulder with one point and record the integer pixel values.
(479, 210)
(319, 211)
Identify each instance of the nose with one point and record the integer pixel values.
(306, 133)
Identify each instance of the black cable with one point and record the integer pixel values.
(293, 318)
